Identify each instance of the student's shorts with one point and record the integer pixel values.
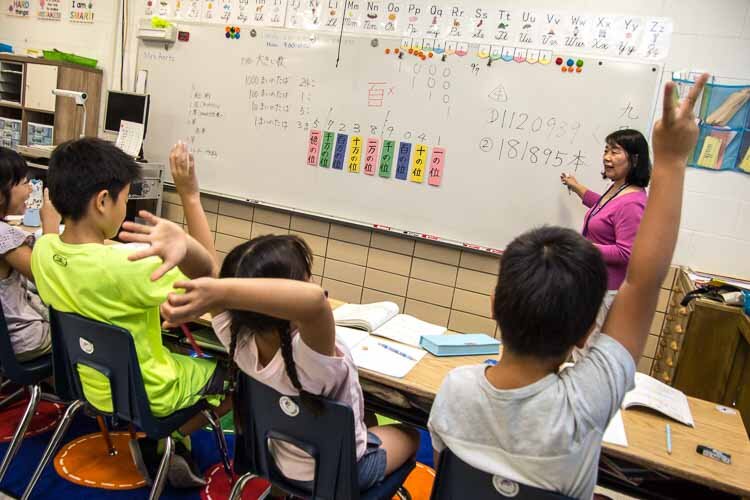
(370, 468)
(216, 385)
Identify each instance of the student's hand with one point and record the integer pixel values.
(50, 217)
(182, 166)
(676, 133)
(167, 240)
(201, 295)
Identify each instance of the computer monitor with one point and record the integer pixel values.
(125, 106)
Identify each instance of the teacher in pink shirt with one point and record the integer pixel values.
(612, 220)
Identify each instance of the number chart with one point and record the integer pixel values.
(465, 148)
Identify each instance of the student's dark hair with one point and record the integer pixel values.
(270, 256)
(636, 147)
(13, 171)
(551, 284)
(80, 169)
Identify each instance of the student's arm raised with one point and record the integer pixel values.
(168, 241)
(674, 137)
(182, 166)
(300, 302)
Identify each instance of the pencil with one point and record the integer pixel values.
(669, 439)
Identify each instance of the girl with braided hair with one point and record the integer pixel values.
(279, 329)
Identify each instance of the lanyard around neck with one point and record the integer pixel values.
(598, 208)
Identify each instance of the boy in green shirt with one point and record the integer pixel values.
(89, 182)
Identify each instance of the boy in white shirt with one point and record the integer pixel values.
(523, 420)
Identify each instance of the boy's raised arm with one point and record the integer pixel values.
(673, 139)
(182, 166)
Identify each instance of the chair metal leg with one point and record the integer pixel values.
(221, 440)
(34, 394)
(62, 428)
(403, 493)
(12, 398)
(239, 485)
(161, 474)
(105, 434)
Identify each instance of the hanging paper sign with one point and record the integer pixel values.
(49, 10)
(18, 8)
(82, 11)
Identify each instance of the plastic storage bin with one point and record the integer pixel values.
(40, 134)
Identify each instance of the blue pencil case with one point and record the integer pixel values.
(468, 344)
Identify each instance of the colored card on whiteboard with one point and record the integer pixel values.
(437, 162)
(418, 163)
(386, 159)
(326, 149)
(339, 154)
(355, 154)
(371, 155)
(313, 147)
(402, 163)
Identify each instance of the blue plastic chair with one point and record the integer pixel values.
(328, 438)
(111, 351)
(457, 480)
(28, 374)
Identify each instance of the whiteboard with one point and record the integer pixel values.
(247, 106)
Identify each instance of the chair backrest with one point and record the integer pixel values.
(9, 364)
(261, 413)
(457, 480)
(106, 348)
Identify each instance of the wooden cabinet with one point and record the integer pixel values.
(28, 109)
(40, 80)
(714, 358)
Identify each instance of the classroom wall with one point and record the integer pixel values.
(99, 40)
(442, 285)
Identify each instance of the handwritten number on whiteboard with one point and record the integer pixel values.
(524, 118)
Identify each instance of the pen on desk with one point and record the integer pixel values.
(394, 350)
(669, 439)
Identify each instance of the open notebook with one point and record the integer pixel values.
(383, 319)
(653, 394)
(379, 355)
(650, 393)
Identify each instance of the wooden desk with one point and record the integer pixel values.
(725, 432)
(422, 381)
(645, 429)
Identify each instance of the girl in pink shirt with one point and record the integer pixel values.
(612, 220)
(279, 329)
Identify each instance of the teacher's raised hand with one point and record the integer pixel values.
(572, 184)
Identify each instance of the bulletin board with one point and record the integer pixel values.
(464, 147)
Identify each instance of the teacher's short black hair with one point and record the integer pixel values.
(636, 147)
(80, 169)
(551, 284)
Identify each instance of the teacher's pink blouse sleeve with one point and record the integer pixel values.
(590, 198)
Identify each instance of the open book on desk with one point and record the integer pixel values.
(379, 355)
(383, 319)
(655, 395)
(649, 393)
